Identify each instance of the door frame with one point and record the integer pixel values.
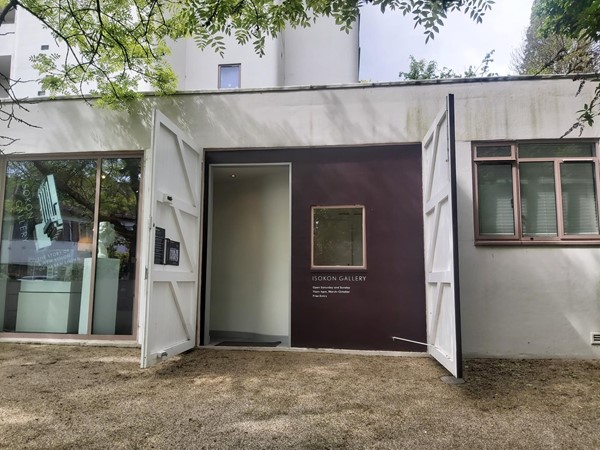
(204, 328)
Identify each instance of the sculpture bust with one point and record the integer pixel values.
(106, 236)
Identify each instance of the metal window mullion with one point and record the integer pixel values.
(312, 237)
(596, 181)
(364, 236)
(517, 200)
(475, 178)
(139, 268)
(596, 178)
(560, 225)
(94, 246)
(516, 192)
(3, 178)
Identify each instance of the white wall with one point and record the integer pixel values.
(202, 66)
(28, 39)
(250, 270)
(522, 301)
(516, 301)
(29, 36)
(321, 54)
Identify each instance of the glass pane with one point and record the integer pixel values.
(496, 151)
(46, 240)
(338, 236)
(114, 289)
(229, 77)
(561, 150)
(538, 199)
(495, 194)
(579, 202)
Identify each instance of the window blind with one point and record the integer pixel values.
(495, 188)
(538, 199)
(580, 206)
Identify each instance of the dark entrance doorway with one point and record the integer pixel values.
(370, 286)
(247, 294)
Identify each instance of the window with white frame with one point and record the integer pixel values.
(536, 192)
(230, 76)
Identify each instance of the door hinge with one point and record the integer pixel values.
(146, 274)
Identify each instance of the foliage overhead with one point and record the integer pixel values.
(578, 19)
(572, 30)
(420, 69)
(113, 45)
(545, 52)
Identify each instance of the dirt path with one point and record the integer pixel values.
(83, 397)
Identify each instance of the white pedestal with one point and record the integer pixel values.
(3, 294)
(85, 296)
(106, 292)
(46, 306)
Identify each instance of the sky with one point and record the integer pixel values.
(388, 39)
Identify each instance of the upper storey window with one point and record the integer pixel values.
(230, 76)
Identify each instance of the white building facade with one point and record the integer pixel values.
(319, 55)
(527, 237)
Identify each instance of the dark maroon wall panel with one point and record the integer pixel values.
(356, 309)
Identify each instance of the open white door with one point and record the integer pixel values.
(441, 243)
(171, 313)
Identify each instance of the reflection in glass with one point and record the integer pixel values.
(579, 202)
(338, 236)
(495, 189)
(229, 76)
(46, 237)
(114, 289)
(494, 151)
(561, 150)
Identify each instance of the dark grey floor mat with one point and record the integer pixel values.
(248, 344)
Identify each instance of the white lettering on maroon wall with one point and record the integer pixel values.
(336, 284)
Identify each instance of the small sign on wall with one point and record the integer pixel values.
(166, 251)
(172, 253)
(159, 245)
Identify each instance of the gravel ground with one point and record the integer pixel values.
(85, 397)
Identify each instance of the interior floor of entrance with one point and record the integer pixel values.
(246, 343)
(248, 294)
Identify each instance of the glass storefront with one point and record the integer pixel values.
(69, 243)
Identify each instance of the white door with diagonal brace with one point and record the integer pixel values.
(441, 245)
(171, 313)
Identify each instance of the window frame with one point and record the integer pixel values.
(314, 267)
(239, 78)
(98, 157)
(513, 159)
